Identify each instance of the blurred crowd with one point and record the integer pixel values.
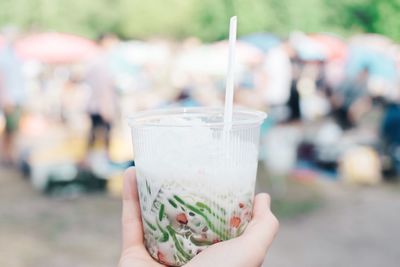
(333, 103)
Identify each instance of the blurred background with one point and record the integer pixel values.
(326, 72)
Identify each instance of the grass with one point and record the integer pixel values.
(289, 208)
(291, 198)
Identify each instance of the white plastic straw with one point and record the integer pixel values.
(230, 74)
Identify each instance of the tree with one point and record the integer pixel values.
(206, 19)
(372, 16)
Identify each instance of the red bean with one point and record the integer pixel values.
(216, 241)
(181, 218)
(235, 222)
(161, 257)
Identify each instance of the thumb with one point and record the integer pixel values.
(132, 234)
(264, 225)
(250, 248)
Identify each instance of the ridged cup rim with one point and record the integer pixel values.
(241, 117)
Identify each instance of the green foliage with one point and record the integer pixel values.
(373, 16)
(207, 19)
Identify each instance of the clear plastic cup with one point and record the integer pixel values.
(195, 179)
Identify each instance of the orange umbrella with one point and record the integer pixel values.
(56, 48)
(335, 48)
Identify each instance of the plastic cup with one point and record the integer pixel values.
(195, 180)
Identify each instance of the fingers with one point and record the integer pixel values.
(263, 219)
(132, 234)
(250, 248)
(263, 227)
(262, 205)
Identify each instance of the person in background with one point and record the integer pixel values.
(293, 102)
(102, 100)
(390, 133)
(277, 68)
(266, 82)
(12, 93)
(352, 100)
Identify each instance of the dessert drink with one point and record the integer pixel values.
(195, 179)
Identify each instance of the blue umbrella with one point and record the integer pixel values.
(377, 62)
(263, 41)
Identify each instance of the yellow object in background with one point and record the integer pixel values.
(361, 165)
(115, 185)
(120, 147)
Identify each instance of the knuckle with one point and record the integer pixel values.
(275, 221)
